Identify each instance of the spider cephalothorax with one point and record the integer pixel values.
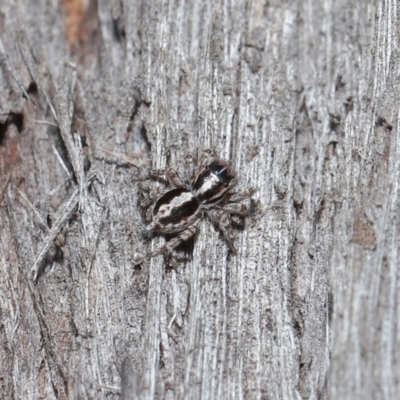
(208, 192)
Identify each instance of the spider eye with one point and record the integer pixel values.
(206, 167)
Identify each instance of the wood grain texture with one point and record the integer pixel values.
(301, 97)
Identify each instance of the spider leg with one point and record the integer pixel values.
(171, 244)
(189, 167)
(221, 219)
(150, 198)
(241, 210)
(173, 260)
(172, 176)
(206, 157)
(237, 197)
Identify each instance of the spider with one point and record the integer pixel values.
(208, 192)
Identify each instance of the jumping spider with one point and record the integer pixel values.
(207, 193)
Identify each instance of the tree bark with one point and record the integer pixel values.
(301, 97)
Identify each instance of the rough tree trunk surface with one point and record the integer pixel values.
(302, 97)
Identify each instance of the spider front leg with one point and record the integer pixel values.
(206, 157)
(238, 197)
(171, 244)
(221, 219)
(150, 198)
(241, 210)
(189, 167)
(234, 206)
(172, 176)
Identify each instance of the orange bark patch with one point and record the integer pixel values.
(364, 232)
(75, 12)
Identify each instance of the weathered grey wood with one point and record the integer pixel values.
(302, 97)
